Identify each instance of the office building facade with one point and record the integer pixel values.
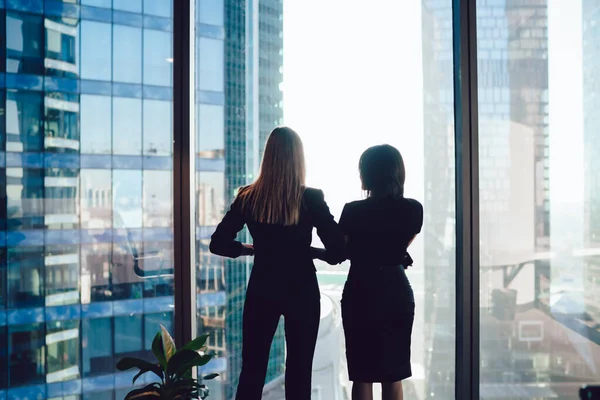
(86, 230)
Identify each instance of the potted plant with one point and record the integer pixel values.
(174, 368)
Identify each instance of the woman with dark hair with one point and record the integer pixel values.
(378, 303)
(280, 212)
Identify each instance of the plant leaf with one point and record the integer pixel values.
(149, 392)
(168, 343)
(197, 343)
(210, 376)
(182, 358)
(158, 351)
(199, 361)
(144, 366)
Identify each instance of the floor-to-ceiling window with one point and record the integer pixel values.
(86, 199)
(538, 67)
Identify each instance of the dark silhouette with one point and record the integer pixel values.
(378, 303)
(280, 213)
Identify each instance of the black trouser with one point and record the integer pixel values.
(269, 296)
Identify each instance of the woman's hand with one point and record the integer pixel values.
(247, 249)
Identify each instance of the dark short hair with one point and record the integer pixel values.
(382, 171)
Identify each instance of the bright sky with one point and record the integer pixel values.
(353, 79)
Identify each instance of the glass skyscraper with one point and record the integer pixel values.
(86, 210)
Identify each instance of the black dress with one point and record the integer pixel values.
(282, 282)
(378, 303)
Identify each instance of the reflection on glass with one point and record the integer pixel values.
(157, 198)
(128, 334)
(96, 58)
(128, 5)
(211, 131)
(157, 58)
(95, 124)
(97, 346)
(127, 198)
(127, 126)
(127, 54)
(24, 121)
(24, 43)
(157, 127)
(210, 12)
(26, 354)
(210, 64)
(97, 3)
(62, 346)
(159, 8)
(538, 146)
(82, 213)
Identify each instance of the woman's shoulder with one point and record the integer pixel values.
(313, 194)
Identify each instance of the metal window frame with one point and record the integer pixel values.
(464, 26)
(184, 171)
(467, 186)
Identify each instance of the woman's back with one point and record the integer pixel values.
(379, 230)
(278, 243)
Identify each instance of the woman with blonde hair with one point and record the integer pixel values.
(280, 212)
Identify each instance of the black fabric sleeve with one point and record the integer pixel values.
(328, 230)
(222, 241)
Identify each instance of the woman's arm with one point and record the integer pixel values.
(328, 230)
(222, 241)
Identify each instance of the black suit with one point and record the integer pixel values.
(283, 282)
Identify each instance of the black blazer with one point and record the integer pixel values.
(279, 244)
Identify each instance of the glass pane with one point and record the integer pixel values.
(539, 196)
(127, 126)
(127, 54)
(95, 120)
(83, 214)
(157, 58)
(96, 58)
(365, 93)
(210, 64)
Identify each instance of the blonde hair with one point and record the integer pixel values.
(276, 195)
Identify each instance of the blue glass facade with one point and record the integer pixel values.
(85, 177)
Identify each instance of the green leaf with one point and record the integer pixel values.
(197, 343)
(158, 351)
(168, 343)
(180, 360)
(198, 361)
(144, 366)
(210, 376)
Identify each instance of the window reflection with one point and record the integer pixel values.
(61, 122)
(26, 354)
(152, 324)
(97, 346)
(127, 199)
(97, 3)
(62, 347)
(128, 5)
(210, 12)
(25, 273)
(127, 54)
(159, 8)
(61, 48)
(157, 57)
(127, 126)
(24, 43)
(96, 57)
(25, 198)
(210, 64)
(157, 198)
(24, 121)
(157, 127)
(211, 131)
(128, 334)
(95, 124)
